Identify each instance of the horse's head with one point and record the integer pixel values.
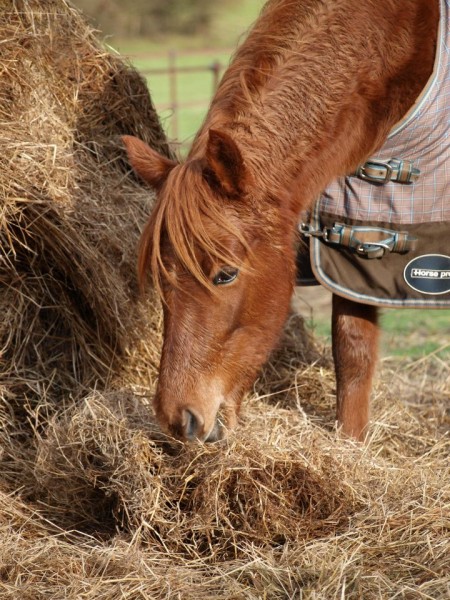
(220, 249)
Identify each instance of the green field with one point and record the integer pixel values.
(404, 332)
(194, 89)
(416, 333)
(228, 28)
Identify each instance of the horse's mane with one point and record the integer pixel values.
(178, 222)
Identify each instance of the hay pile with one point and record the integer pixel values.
(70, 216)
(95, 502)
(280, 510)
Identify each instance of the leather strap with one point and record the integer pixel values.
(369, 242)
(395, 169)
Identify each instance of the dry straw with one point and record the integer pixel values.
(95, 502)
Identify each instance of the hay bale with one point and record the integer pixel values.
(70, 213)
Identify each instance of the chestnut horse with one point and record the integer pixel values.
(311, 93)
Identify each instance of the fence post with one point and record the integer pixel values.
(173, 92)
(216, 67)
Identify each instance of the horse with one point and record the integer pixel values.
(310, 94)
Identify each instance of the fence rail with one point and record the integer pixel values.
(173, 70)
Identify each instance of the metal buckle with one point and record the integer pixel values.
(376, 163)
(307, 231)
(363, 249)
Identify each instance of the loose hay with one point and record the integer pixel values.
(95, 502)
(205, 502)
(280, 507)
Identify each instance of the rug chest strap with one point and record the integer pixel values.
(395, 169)
(369, 242)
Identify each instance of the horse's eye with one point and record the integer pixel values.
(225, 275)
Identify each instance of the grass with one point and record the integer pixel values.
(416, 333)
(228, 27)
(412, 333)
(193, 90)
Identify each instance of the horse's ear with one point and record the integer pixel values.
(146, 162)
(224, 168)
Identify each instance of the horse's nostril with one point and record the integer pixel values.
(192, 424)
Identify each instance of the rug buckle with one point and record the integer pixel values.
(373, 249)
(381, 171)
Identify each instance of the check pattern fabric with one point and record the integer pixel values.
(423, 137)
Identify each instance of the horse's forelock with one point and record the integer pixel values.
(182, 224)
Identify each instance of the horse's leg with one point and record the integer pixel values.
(355, 351)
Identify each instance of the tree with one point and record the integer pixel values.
(148, 17)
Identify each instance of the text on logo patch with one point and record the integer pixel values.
(429, 274)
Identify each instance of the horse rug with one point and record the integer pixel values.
(381, 235)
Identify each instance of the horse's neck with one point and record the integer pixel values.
(317, 86)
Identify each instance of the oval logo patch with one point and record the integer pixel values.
(429, 274)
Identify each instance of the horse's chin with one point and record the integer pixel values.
(218, 432)
(224, 422)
